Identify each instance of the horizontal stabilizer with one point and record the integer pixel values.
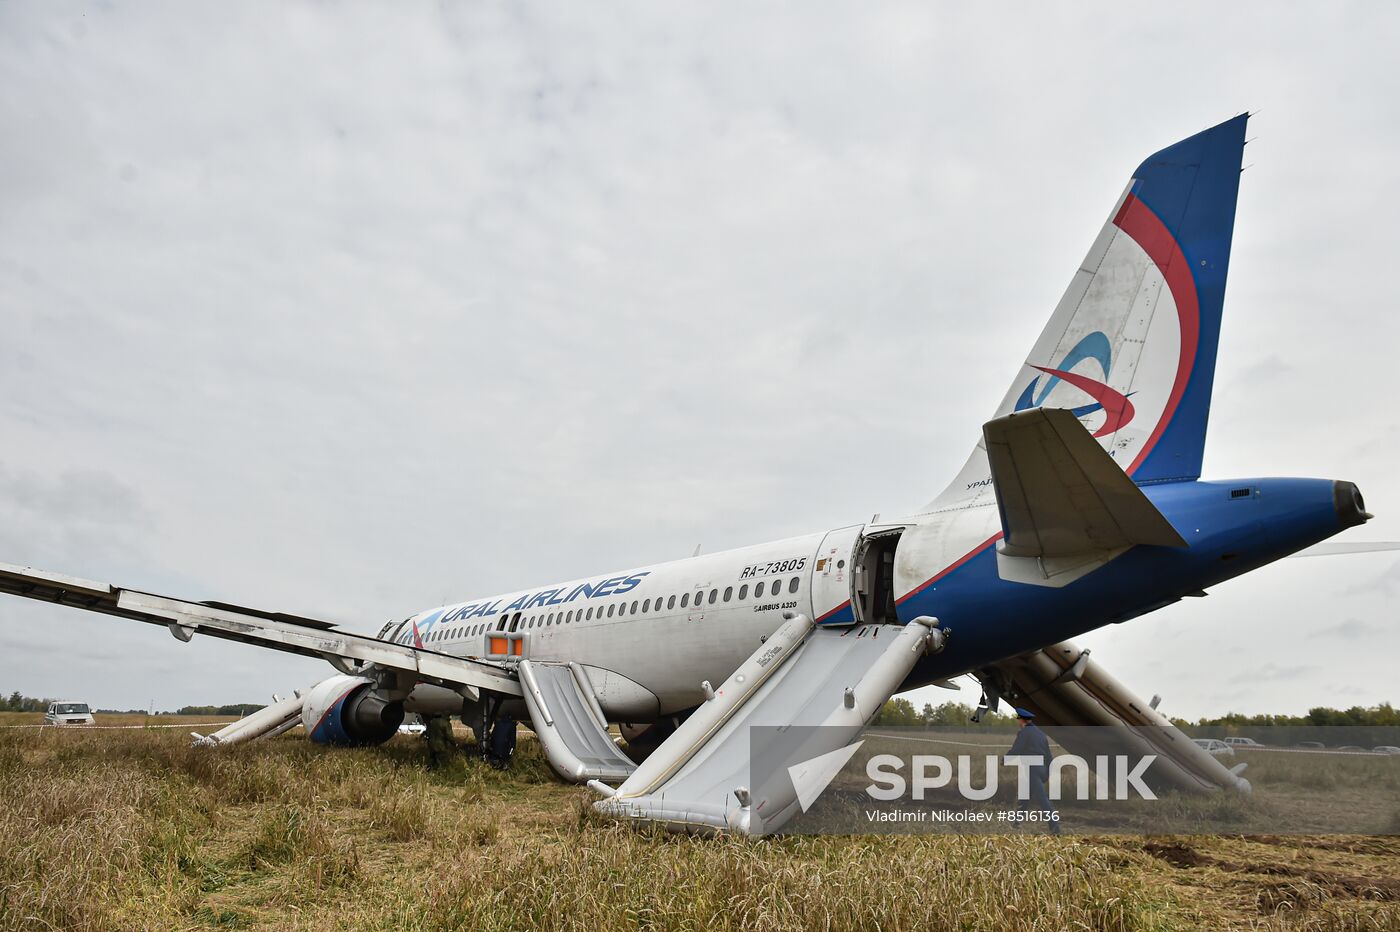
(1061, 494)
(1342, 548)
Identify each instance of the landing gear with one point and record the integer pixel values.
(995, 688)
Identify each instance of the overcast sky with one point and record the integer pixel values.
(350, 310)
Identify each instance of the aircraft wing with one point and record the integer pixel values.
(1061, 494)
(349, 653)
(1063, 686)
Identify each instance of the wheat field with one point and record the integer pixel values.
(123, 829)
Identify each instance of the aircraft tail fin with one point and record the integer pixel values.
(1130, 348)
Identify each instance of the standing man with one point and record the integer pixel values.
(441, 747)
(1032, 742)
(502, 742)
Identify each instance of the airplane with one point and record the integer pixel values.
(1081, 505)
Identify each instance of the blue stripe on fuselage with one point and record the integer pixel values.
(992, 619)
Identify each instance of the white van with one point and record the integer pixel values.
(68, 713)
(1237, 742)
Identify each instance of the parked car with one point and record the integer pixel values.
(1214, 746)
(1385, 749)
(68, 713)
(1310, 745)
(1237, 742)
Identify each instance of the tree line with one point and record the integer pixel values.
(1369, 726)
(17, 702)
(1380, 715)
(239, 709)
(899, 711)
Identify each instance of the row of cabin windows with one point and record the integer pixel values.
(645, 606)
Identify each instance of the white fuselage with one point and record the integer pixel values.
(649, 636)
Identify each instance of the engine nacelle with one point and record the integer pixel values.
(345, 710)
(643, 738)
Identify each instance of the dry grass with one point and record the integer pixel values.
(134, 829)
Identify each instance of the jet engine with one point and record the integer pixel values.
(346, 710)
(645, 737)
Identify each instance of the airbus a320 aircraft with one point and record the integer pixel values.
(1082, 505)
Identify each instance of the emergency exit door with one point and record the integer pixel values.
(831, 577)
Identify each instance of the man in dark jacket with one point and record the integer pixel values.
(441, 747)
(502, 743)
(1032, 742)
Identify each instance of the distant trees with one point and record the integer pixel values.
(17, 702)
(21, 703)
(1368, 726)
(239, 710)
(899, 711)
(1383, 714)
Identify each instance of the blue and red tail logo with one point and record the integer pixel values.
(1117, 408)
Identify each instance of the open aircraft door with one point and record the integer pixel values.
(831, 577)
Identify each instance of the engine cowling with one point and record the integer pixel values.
(345, 710)
(643, 738)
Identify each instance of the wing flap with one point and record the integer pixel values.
(1061, 494)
